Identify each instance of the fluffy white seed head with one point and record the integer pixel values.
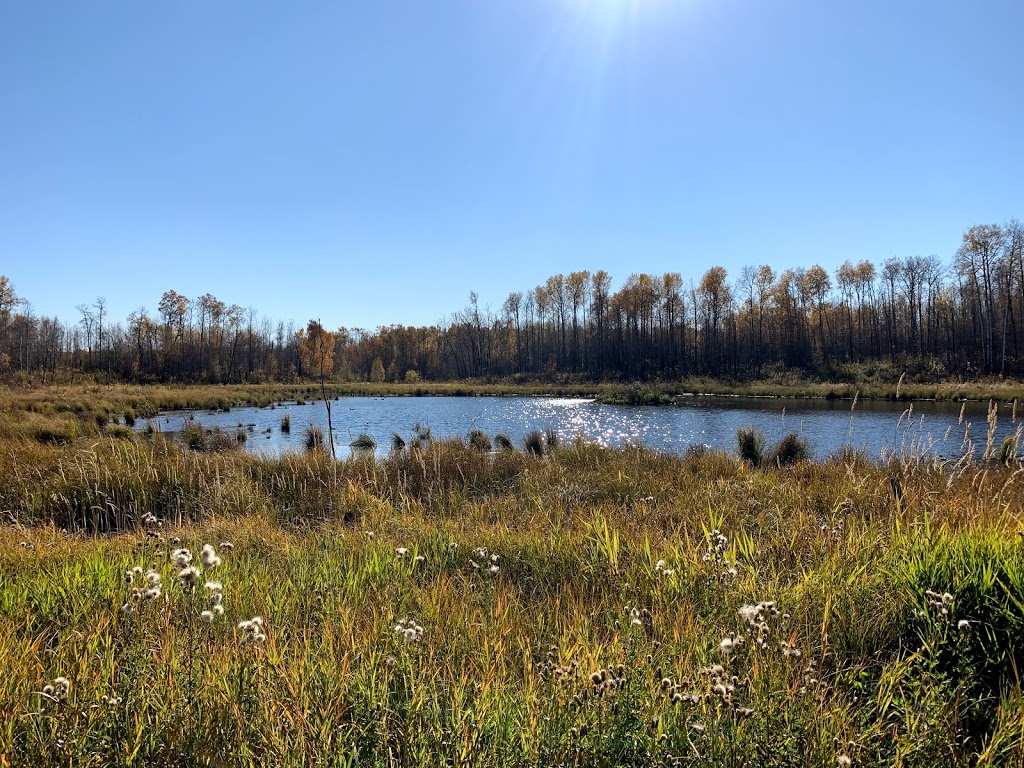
(181, 558)
(208, 556)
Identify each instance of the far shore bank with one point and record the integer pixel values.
(149, 399)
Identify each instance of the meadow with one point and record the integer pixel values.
(447, 605)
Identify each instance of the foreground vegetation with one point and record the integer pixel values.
(563, 605)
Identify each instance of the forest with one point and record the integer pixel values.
(961, 316)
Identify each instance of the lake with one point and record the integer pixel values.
(877, 427)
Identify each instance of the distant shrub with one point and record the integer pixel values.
(286, 423)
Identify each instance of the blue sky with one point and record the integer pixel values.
(370, 163)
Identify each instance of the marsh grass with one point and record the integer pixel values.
(750, 445)
(531, 575)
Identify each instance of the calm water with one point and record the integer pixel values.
(877, 427)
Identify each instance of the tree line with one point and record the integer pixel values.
(962, 316)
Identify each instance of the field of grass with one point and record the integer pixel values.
(449, 606)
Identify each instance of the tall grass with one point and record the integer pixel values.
(574, 606)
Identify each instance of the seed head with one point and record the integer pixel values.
(181, 558)
(208, 557)
(188, 576)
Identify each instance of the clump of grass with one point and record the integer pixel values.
(129, 417)
(193, 436)
(750, 444)
(1008, 449)
(533, 442)
(479, 440)
(119, 431)
(504, 442)
(790, 450)
(397, 442)
(551, 438)
(286, 423)
(313, 438)
(364, 442)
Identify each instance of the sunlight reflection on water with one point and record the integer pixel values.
(876, 426)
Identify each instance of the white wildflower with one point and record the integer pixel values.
(206, 616)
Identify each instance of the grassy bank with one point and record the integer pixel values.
(584, 607)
